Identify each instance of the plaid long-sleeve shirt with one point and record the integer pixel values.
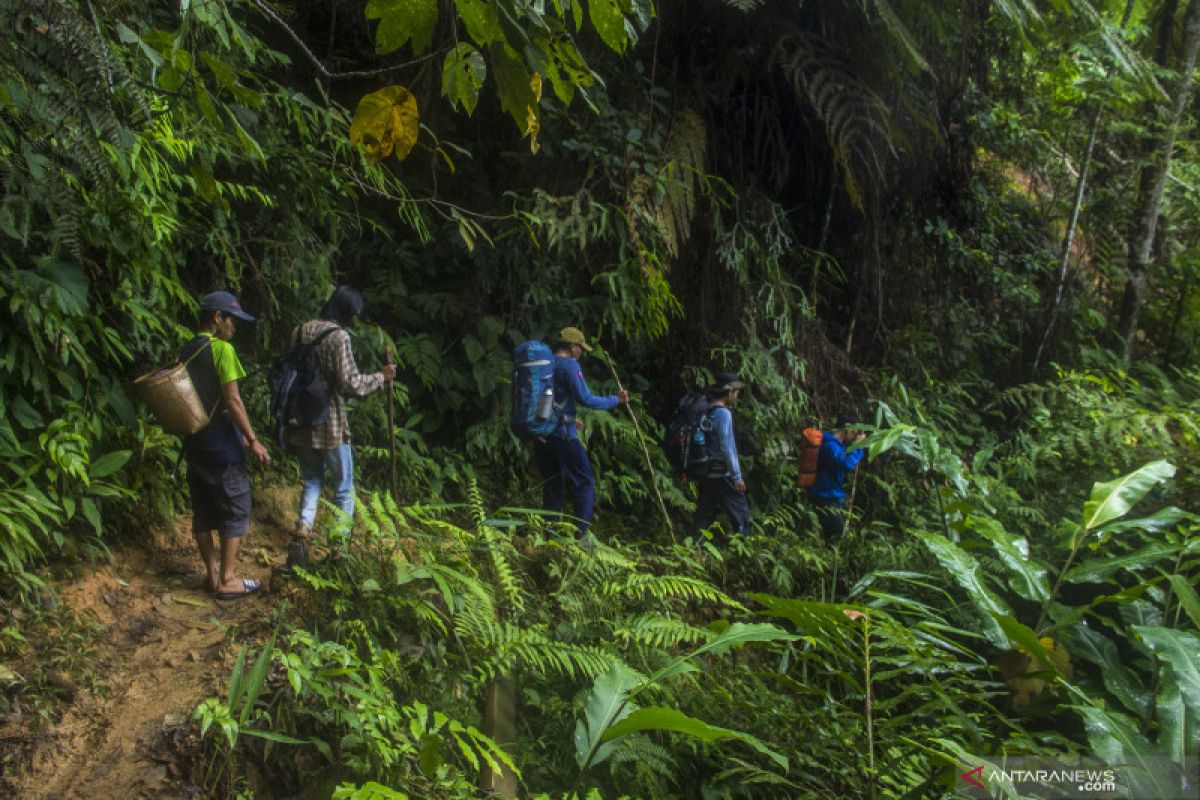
(343, 377)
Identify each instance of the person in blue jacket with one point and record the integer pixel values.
(561, 458)
(725, 487)
(828, 494)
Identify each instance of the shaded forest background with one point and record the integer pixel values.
(972, 223)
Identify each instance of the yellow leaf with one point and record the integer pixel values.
(533, 123)
(385, 122)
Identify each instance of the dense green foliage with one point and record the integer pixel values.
(924, 211)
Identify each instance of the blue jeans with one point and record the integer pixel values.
(564, 463)
(313, 465)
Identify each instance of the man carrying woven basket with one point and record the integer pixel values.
(215, 455)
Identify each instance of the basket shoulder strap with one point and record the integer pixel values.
(207, 343)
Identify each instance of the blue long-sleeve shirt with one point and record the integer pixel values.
(832, 464)
(570, 388)
(722, 420)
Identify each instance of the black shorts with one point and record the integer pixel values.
(220, 498)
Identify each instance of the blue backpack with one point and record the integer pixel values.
(535, 415)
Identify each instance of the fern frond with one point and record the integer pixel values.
(852, 114)
(684, 154)
(670, 587)
(657, 630)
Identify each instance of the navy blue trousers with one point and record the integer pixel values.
(717, 494)
(564, 465)
(831, 514)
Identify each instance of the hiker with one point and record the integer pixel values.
(828, 493)
(216, 461)
(325, 448)
(560, 457)
(724, 486)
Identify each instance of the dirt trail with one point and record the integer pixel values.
(169, 645)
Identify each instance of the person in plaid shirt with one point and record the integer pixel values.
(325, 448)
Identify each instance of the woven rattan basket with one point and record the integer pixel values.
(172, 398)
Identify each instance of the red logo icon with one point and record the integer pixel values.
(966, 776)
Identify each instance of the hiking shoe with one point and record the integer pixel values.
(297, 555)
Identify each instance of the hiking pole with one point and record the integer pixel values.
(391, 412)
(842, 538)
(641, 441)
(853, 490)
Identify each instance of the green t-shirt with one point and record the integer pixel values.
(225, 359)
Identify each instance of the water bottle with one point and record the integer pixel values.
(698, 437)
(545, 404)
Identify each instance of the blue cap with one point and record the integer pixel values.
(224, 301)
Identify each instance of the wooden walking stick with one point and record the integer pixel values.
(391, 412)
(641, 441)
(853, 490)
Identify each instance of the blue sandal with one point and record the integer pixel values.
(249, 587)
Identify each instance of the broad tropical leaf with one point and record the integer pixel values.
(463, 73)
(607, 704)
(401, 21)
(658, 718)
(386, 122)
(1114, 499)
(963, 567)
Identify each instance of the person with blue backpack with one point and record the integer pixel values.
(723, 487)
(544, 410)
(321, 443)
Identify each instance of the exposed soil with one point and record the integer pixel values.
(169, 645)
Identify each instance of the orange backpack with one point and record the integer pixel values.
(810, 451)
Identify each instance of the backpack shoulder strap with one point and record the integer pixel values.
(321, 336)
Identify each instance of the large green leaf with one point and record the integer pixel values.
(255, 681)
(401, 21)
(1163, 519)
(1181, 651)
(517, 96)
(1115, 737)
(607, 704)
(1024, 637)
(810, 616)
(1115, 498)
(109, 463)
(1029, 576)
(1091, 645)
(965, 570)
(481, 21)
(1101, 567)
(463, 73)
(1188, 600)
(659, 718)
(609, 22)
(736, 634)
(1178, 727)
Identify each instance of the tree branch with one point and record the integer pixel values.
(366, 73)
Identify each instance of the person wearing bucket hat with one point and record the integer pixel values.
(561, 458)
(215, 455)
(724, 487)
(828, 493)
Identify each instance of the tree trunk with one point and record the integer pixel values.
(1153, 182)
(1080, 188)
(500, 723)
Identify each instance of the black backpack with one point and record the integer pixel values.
(299, 393)
(691, 442)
